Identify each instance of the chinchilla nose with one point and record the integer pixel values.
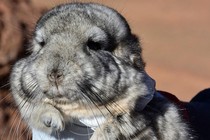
(56, 77)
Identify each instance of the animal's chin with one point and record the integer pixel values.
(57, 98)
(61, 100)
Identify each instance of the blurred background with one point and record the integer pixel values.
(175, 37)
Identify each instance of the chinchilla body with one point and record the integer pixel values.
(86, 63)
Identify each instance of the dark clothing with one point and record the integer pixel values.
(196, 112)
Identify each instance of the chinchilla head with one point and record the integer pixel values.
(84, 52)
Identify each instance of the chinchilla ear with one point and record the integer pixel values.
(129, 49)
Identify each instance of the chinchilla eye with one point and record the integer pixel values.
(95, 46)
(42, 43)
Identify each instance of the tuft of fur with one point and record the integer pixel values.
(85, 63)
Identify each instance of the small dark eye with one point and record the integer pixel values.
(42, 43)
(92, 45)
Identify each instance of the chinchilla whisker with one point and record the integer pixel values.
(25, 131)
(5, 130)
(94, 104)
(12, 126)
(28, 137)
(31, 84)
(99, 99)
(107, 107)
(5, 85)
(107, 99)
(89, 105)
(102, 101)
(27, 108)
(16, 117)
(32, 89)
(3, 134)
(7, 96)
(24, 101)
(87, 97)
(15, 133)
(123, 111)
(106, 104)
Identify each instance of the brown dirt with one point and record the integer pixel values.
(174, 36)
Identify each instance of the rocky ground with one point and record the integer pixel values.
(174, 35)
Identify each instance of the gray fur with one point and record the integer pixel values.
(85, 62)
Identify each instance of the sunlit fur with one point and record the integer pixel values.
(86, 63)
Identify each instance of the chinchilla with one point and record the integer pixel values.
(86, 63)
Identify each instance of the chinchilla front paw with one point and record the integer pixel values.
(47, 119)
